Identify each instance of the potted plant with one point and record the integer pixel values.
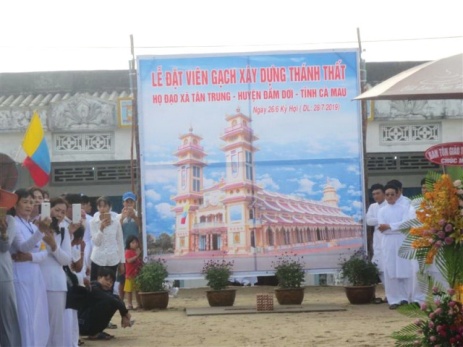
(217, 273)
(150, 283)
(289, 270)
(362, 275)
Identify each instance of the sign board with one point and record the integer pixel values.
(448, 154)
(249, 156)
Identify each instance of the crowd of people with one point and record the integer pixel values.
(100, 250)
(39, 253)
(400, 276)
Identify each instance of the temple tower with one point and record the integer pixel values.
(240, 187)
(329, 194)
(190, 165)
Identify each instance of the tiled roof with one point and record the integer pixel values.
(39, 89)
(43, 100)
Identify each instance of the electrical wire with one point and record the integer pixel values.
(245, 45)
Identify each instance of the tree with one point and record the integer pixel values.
(164, 244)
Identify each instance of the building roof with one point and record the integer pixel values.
(39, 89)
(32, 89)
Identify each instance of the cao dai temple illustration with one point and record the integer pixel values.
(235, 215)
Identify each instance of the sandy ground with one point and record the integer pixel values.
(360, 325)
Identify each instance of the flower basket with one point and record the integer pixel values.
(358, 270)
(217, 273)
(289, 270)
(150, 283)
(152, 276)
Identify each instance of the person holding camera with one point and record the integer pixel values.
(58, 255)
(28, 250)
(107, 239)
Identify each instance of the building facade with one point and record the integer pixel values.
(237, 216)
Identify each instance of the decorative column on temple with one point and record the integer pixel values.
(240, 188)
(190, 166)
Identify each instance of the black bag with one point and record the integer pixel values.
(76, 294)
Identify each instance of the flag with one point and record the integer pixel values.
(186, 208)
(38, 157)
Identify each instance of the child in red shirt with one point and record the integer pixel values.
(133, 264)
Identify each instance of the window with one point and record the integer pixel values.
(249, 174)
(196, 178)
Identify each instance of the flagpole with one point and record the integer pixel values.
(368, 239)
(17, 154)
(135, 138)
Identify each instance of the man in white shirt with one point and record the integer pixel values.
(402, 199)
(398, 271)
(377, 191)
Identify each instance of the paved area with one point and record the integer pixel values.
(205, 311)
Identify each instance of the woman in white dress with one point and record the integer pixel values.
(28, 251)
(58, 256)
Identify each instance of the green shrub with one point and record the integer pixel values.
(152, 276)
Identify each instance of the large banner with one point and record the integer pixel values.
(249, 156)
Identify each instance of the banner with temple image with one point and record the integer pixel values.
(249, 156)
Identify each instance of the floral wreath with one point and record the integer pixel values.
(435, 236)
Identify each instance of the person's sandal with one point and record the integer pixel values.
(99, 336)
(394, 306)
(378, 301)
(130, 307)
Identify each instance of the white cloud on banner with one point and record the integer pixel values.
(152, 195)
(164, 210)
(267, 182)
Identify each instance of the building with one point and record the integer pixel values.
(211, 218)
(92, 147)
(399, 132)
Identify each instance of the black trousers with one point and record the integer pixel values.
(95, 319)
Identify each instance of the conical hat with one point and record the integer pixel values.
(7, 199)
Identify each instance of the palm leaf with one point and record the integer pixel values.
(431, 178)
(406, 250)
(424, 280)
(407, 336)
(455, 172)
(449, 261)
(412, 311)
(411, 223)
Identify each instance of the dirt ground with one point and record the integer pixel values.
(359, 325)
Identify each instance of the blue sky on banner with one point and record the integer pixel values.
(299, 150)
(91, 35)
